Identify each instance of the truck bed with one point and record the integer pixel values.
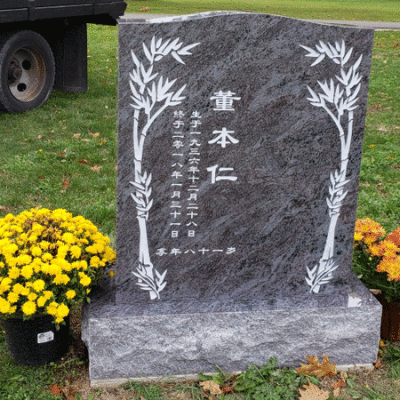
(34, 10)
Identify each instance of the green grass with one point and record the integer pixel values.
(63, 155)
(22, 383)
(368, 10)
(379, 196)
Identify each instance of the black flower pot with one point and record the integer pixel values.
(36, 341)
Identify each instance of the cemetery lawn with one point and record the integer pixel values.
(63, 155)
(361, 10)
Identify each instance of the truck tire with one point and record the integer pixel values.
(27, 71)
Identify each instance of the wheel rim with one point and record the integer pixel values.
(26, 74)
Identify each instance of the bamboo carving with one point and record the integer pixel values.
(339, 102)
(151, 95)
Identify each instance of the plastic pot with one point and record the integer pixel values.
(36, 341)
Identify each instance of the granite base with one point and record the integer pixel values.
(127, 341)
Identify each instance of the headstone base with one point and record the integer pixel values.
(127, 341)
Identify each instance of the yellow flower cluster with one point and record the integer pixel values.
(387, 249)
(368, 231)
(49, 259)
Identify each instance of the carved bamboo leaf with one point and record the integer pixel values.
(139, 201)
(318, 60)
(185, 50)
(357, 63)
(163, 47)
(153, 45)
(177, 58)
(311, 52)
(147, 53)
(135, 60)
(346, 58)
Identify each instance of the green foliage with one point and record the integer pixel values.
(364, 266)
(148, 392)
(221, 378)
(270, 383)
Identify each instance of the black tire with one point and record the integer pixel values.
(27, 71)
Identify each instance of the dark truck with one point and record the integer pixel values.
(43, 45)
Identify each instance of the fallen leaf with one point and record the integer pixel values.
(378, 363)
(313, 392)
(317, 369)
(228, 389)
(212, 387)
(337, 384)
(41, 177)
(76, 135)
(40, 137)
(336, 392)
(65, 183)
(96, 168)
(55, 389)
(83, 161)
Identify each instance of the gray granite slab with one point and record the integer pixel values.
(240, 139)
(254, 236)
(124, 345)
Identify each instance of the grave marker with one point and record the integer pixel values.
(240, 139)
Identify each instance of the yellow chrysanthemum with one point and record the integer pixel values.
(91, 249)
(38, 285)
(54, 269)
(41, 301)
(109, 255)
(27, 271)
(32, 238)
(29, 308)
(70, 294)
(357, 236)
(24, 259)
(5, 283)
(69, 238)
(52, 308)
(14, 273)
(4, 306)
(32, 296)
(48, 294)
(44, 244)
(75, 251)
(13, 297)
(18, 288)
(83, 265)
(85, 280)
(36, 251)
(62, 311)
(95, 261)
(47, 257)
(61, 279)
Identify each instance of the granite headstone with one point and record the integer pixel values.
(240, 139)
